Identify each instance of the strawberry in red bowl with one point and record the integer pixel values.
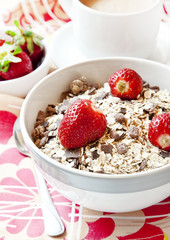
(18, 72)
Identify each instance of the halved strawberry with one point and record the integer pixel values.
(126, 84)
(30, 43)
(159, 131)
(82, 124)
(14, 62)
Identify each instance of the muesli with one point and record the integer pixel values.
(124, 148)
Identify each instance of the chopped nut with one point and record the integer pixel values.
(78, 86)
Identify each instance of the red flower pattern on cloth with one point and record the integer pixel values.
(7, 120)
(23, 191)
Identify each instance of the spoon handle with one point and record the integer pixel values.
(53, 224)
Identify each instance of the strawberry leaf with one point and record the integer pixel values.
(37, 40)
(17, 25)
(30, 45)
(10, 33)
(27, 33)
(5, 69)
(17, 50)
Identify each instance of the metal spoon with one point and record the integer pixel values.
(52, 221)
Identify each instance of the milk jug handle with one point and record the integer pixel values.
(67, 6)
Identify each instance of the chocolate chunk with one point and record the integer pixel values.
(165, 154)
(94, 144)
(143, 164)
(151, 115)
(107, 148)
(95, 154)
(156, 88)
(146, 85)
(122, 110)
(133, 132)
(73, 153)
(122, 148)
(116, 136)
(119, 117)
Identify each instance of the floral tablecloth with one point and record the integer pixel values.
(20, 203)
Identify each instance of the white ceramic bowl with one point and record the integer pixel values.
(19, 87)
(110, 193)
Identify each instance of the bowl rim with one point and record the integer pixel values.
(35, 71)
(66, 168)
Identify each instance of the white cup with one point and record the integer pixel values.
(103, 34)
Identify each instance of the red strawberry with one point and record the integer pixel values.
(1, 42)
(82, 124)
(14, 62)
(159, 131)
(126, 84)
(29, 42)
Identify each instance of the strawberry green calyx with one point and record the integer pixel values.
(25, 36)
(7, 55)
